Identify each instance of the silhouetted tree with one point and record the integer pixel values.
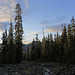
(18, 33)
(27, 54)
(33, 50)
(11, 51)
(56, 46)
(38, 50)
(61, 45)
(4, 48)
(43, 48)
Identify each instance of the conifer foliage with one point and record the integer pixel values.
(18, 33)
(61, 48)
(12, 44)
(4, 48)
(11, 50)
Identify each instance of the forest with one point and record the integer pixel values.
(11, 47)
(60, 48)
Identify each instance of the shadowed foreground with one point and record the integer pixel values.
(37, 68)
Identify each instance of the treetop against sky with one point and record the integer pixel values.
(37, 14)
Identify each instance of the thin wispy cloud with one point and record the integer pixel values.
(1, 31)
(44, 23)
(57, 21)
(60, 19)
(3, 26)
(54, 28)
(33, 33)
(26, 42)
(6, 10)
(29, 37)
(26, 4)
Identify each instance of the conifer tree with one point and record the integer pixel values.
(73, 26)
(65, 45)
(27, 53)
(11, 51)
(43, 48)
(47, 48)
(33, 50)
(51, 51)
(69, 38)
(46, 53)
(4, 48)
(38, 50)
(18, 33)
(72, 54)
(48, 44)
(61, 45)
(56, 47)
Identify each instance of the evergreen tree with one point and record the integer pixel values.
(65, 45)
(33, 50)
(61, 45)
(47, 48)
(4, 48)
(73, 26)
(56, 47)
(73, 39)
(69, 38)
(18, 33)
(43, 48)
(27, 53)
(36, 47)
(51, 51)
(38, 50)
(11, 51)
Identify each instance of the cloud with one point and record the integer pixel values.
(55, 25)
(51, 29)
(1, 31)
(58, 20)
(54, 28)
(3, 26)
(26, 4)
(29, 37)
(26, 42)
(33, 33)
(44, 23)
(6, 10)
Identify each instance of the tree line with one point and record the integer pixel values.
(60, 48)
(12, 42)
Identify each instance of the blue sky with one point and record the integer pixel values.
(38, 14)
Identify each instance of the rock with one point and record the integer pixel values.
(36, 68)
(73, 73)
(16, 73)
(46, 71)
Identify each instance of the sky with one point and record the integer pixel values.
(37, 15)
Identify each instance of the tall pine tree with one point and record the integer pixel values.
(18, 33)
(11, 50)
(4, 48)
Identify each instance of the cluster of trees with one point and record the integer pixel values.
(61, 48)
(12, 42)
